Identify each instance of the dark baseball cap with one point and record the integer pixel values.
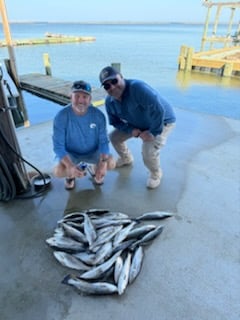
(81, 86)
(108, 73)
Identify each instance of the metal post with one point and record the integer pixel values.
(12, 61)
(10, 150)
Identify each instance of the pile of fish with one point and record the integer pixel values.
(105, 247)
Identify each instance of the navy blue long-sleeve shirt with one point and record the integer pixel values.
(141, 107)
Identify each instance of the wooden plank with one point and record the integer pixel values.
(216, 64)
(55, 89)
(208, 63)
(222, 4)
(226, 51)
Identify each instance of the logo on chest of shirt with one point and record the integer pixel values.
(93, 125)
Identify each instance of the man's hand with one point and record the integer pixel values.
(75, 172)
(100, 172)
(70, 169)
(136, 133)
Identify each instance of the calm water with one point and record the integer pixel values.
(147, 52)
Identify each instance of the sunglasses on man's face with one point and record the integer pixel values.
(108, 85)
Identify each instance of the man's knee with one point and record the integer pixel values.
(57, 171)
(111, 163)
(113, 136)
(117, 136)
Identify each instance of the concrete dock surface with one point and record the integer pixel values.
(191, 271)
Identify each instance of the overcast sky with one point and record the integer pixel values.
(106, 10)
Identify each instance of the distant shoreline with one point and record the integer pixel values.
(102, 22)
(117, 23)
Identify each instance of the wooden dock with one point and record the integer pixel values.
(54, 89)
(224, 62)
(54, 39)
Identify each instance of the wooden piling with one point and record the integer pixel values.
(117, 66)
(189, 57)
(11, 62)
(47, 64)
(227, 69)
(185, 58)
(182, 58)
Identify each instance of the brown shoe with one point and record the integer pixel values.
(69, 183)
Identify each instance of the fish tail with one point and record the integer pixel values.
(66, 279)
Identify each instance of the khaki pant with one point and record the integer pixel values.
(150, 149)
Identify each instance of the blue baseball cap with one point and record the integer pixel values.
(81, 86)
